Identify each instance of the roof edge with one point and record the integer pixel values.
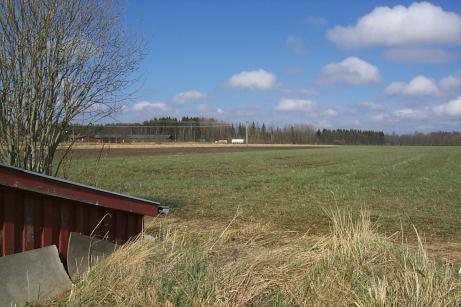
(69, 184)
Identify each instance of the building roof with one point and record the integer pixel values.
(34, 182)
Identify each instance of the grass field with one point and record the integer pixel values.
(292, 189)
(284, 227)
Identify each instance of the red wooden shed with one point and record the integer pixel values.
(38, 210)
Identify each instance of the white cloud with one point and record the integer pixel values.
(303, 92)
(408, 113)
(307, 92)
(201, 108)
(330, 112)
(103, 108)
(304, 106)
(418, 86)
(424, 127)
(452, 108)
(371, 106)
(295, 44)
(421, 54)
(189, 96)
(442, 115)
(323, 124)
(439, 117)
(353, 71)
(255, 79)
(379, 118)
(146, 105)
(402, 116)
(295, 105)
(450, 83)
(420, 23)
(425, 87)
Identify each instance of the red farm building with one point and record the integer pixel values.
(38, 210)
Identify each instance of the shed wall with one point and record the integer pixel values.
(31, 220)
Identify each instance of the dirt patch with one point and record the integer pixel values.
(118, 150)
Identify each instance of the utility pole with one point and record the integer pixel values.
(246, 133)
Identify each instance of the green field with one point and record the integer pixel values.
(292, 189)
(284, 228)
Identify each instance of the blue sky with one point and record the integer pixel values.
(393, 65)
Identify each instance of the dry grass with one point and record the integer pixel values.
(187, 264)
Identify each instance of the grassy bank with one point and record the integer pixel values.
(251, 264)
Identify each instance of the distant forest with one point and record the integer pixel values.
(197, 129)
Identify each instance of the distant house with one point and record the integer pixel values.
(83, 138)
(111, 138)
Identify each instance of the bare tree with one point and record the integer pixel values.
(59, 60)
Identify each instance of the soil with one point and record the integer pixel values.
(163, 150)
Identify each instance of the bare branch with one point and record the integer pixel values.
(59, 59)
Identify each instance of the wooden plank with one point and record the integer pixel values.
(95, 218)
(131, 225)
(38, 220)
(48, 222)
(139, 223)
(9, 215)
(19, 221)
(81, 219)
(64, 229)
(109, 225)
(120, 227)
(28, 236)
(56, 219)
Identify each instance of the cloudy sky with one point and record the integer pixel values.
(390, 65)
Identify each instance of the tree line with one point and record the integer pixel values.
(197, 129)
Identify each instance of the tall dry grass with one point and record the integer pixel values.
(251, 264)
